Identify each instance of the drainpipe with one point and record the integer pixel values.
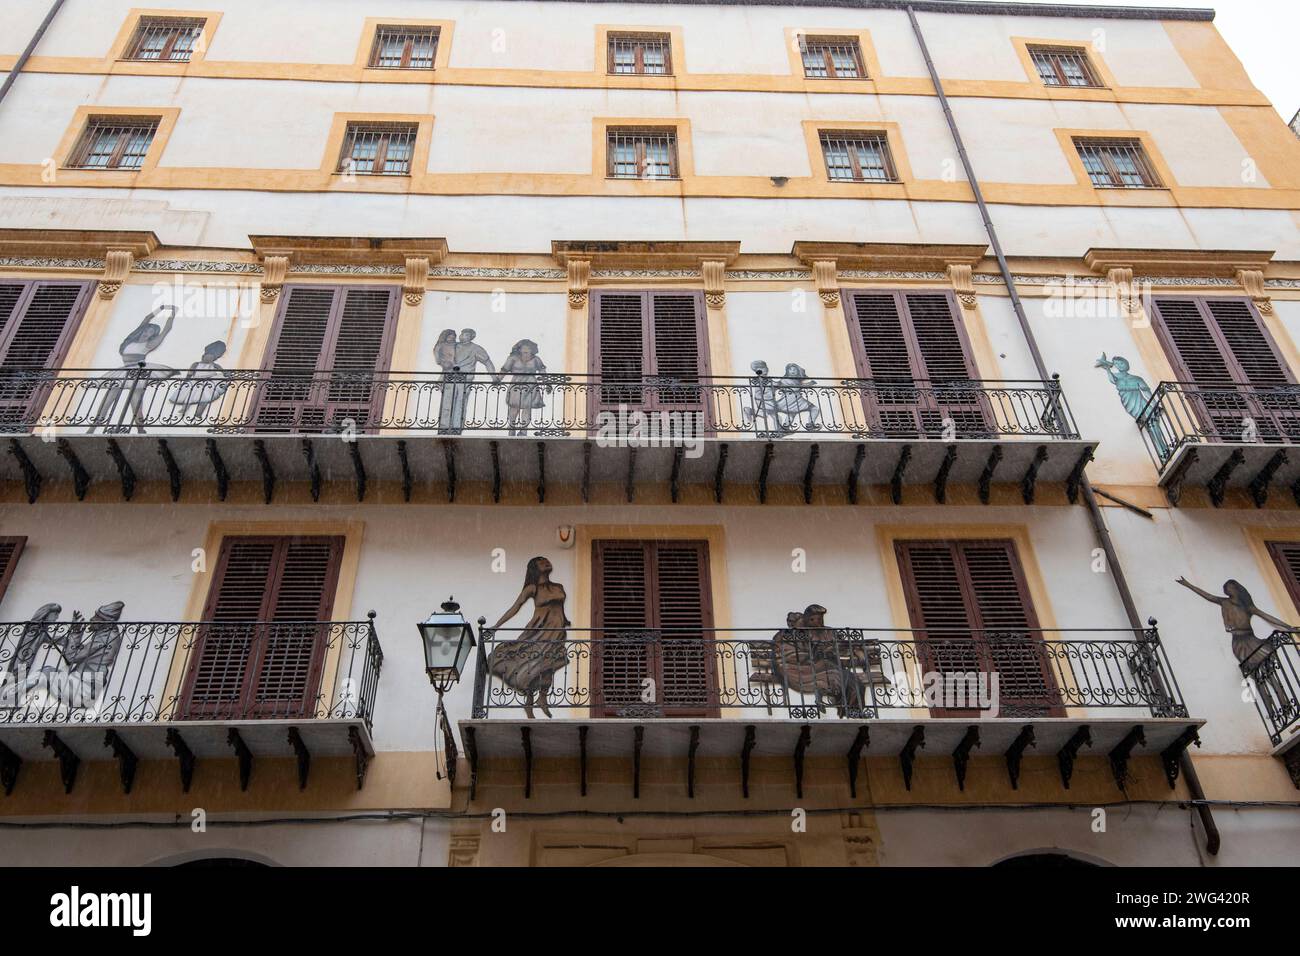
(27, 53)
(1212, 838)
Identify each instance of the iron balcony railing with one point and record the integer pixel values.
(101, 671)
(1274, 675)
(539, 404)
(1183, 413)
(851, 673)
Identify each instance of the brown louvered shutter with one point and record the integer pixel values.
(261, 648)
(1286, 555)
(654, 338)
(325, 350)
(913, 348)
(957, 590)
(652, 611)
(11, 548)
(1219, 345)
(37, 323)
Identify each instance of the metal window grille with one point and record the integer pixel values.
(642, 153)
(169, 39)
(114, 142)
(378, 149)
(1117, 163)
(640, 54)
(1063, 66)
(831, 58)
(858, 157)
(404, 48)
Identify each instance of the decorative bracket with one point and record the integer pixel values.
(417, 276)
(579, 276)
(826, 276)
(960, 275)
(1121, 283)
(1252, 280)
(274, 271)
(714, 272)
(117, 264)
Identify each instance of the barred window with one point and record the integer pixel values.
(1117, 163)
(649, 153)
(378, 149)
(1064, 66)
(114, 142)
(169, 39)
(640, 54)
(858, 157)
(831, 58)
(404, 48)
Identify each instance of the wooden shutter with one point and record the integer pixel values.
(11, 548)
(905, 341)
(1219, 346)
(957, 590)
(1286, 556)
(37, 323)
(652, 615)
(241, 666)
(326, 347)
(637, 336)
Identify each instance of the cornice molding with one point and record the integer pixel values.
(645, 255)
(1177, 262)
(75, 243)
(890, 256)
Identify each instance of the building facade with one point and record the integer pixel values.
(815, 410)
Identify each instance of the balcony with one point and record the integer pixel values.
(125, 426)
(1220, 438)
(184, 690)
(847, 692)
(1275, 684)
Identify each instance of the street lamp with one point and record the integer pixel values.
(447, 639)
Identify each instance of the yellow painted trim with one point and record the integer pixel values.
(812, 130)
(338, 130)
(1168, 184)
(870, 61)
(676, 53)
(681, 126)
(167, 116)
(1095, 61)
(126, 33)
(441, 55)
(1208, 56)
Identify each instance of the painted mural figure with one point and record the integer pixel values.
(528, 663)
(792, 399)
(775, 405)
(1134, 395)
(203, 384)
(807, 659)
(1256, 656)
(758, 408)
(88, 650)
(459, 358)
(524, 394)
(135, 373)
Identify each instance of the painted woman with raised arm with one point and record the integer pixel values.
(135, 348)
(528, 663)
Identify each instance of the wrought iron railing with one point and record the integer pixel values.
(808, 673)
(1183, 413)
(1274, 674)
(108, 672)
(540, 404)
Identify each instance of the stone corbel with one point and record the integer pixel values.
(1121, 283)
(117, 265)
(826, 276)
(714, 272)
(274, 271)
(1252, 280)
(960, 275)
(579, 275)
(417, 276)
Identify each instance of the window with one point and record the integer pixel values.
(659, 586)
(639, 337)
(114, 142)
(261, 649)
(640, 54)
(10, 550)
(378, 149)
(1286, 556)
(1117, 163)
(831, 58)
(167, 39)
(649, 153)
(404, 48)
(1220, 347)
(858, 157)
(970, 606)
(912, 347)
(1063, 66)
(37, 323)
(325, 348)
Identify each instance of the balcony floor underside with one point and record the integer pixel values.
(1255, 466)
(201, 459)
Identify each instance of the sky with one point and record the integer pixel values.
(1265, 35)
